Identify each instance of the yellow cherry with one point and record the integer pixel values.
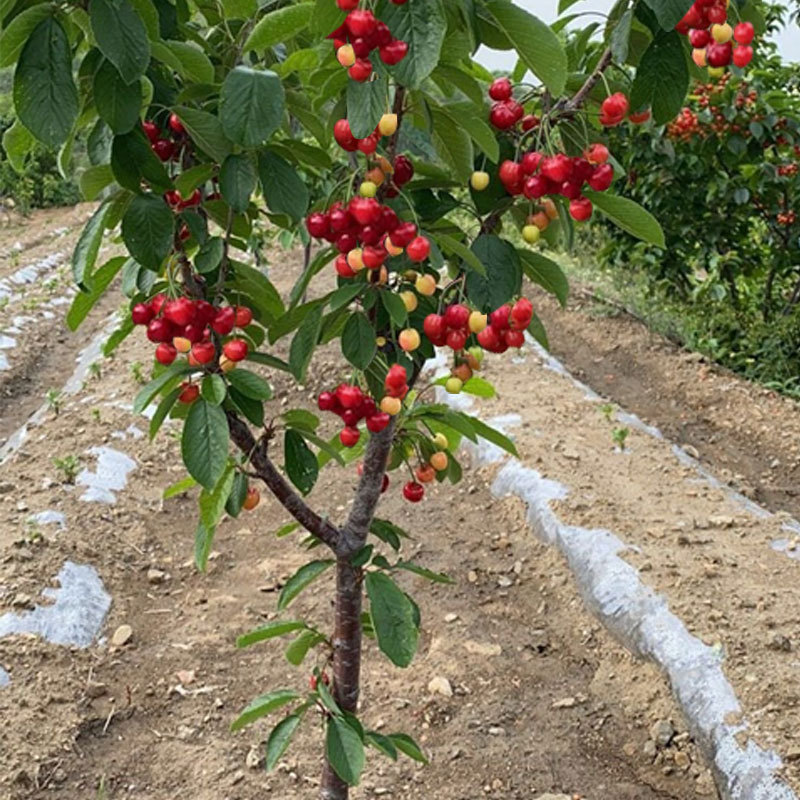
(479, 180)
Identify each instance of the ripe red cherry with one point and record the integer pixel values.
(173, 198)
(203, 352)
(373, 257)
(166, 353)
(535, 187)
(596, 153)
(514, 338)
(343, 269)
(244, 316)
(224, 321)
(499, 318)
(344, 136)
(529, 122)
(368, 145)
(602, 177)
(744, 32)
(340, 220)
(181, 311)
(615, 106)
(349, 436)
(502, 116)
(346, 242)
(360, 22)
(381, 36)
(488, 338)
(141, 314)
(151, 131)
(403, 234)
(571, 189)
(717, 14)
(719, 54)
(347, 5)
(389, 219)
(434, 327)
(377, 422)
(521, 313)
(413, 492)
(531, 162)
(159, 330)
(176, 125)
(349, 396)
(510, 172)
(403, 170)
(557, 168)
(699, 37)
(235, 349)
(190, 393)
(396, 377)
(456, 340)
(365, 210)
(641, 117)
(394, 52)
(164, 149)
(500, 89)
(317, 224)
(418, 249)
(580, 209)
(157, 303)
(456, 316)
(327, 401)
(361, 70)
(742, 55)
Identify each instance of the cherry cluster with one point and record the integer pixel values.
(454, 327)
(506, 112)
(165, 148)
(359, 35)
(538, 175)
(713, 38)
(366, 233)
(684, 126)
(183, 325)
(614, 109)
(507, 326)
(351, 405)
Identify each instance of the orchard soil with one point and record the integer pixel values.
(543, 700)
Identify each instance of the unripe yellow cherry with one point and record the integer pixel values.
(388, 124)
(409, 339)
(181, 344)
(225, 364)
(426, 285)
(477, 321)
(439, 461)
(380, 341)
(479, 180)
(440, 440)
(699, 57)
(549, 207)
(454, 385)
(531, 234)
(722, 32)
(355, 259)
(391, 405)
(391, 249)
(346, 56)
(375, 175)
(409, 301)
(368, 189)
(716, 72)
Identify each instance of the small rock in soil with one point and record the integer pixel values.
(156, 576)
(440, 685)
(479, 649)
(661, 732)
(254, 759)
(780, 643)
(122, 635)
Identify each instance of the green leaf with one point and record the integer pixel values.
(240, 9)
(381, 743)
(268, 361)
(300, 418)
(452, 245)
(297, 651)
(85, 253)
(18, 142)
(100, 281)
(421, 23)
(279, 739)
(206, 130)
(204, 444)
(620, 37)
(662, 78)
(269, 631)
(237, 496)
(263, 296)
(301, 463)
(453, 144)
(405, 744)
(17, 32)
(669, 12)
(629, 216)
(284, 190)
(195, 65)
(249, 384)
(388, 532)
(209, 256)
(325, 18)
(251, 105)
(92, 180)
(263, 705)
(301, 579)
(150, 390)
(358, 341)
(212, 503)
(191, 178)
(179, 488)
(367, 102)
(448, 76)
(279, 26)
(464, 115)
(344, 749)
(45, 95)
(534, 41)
(479, 387)
(546, 273)
(213, 389)
(396, 308)
(203, 541)
(503, 276)
(537, 330)
(237, 181)
(436, 577)
(121, 36)
(494, 436)
(304, 342)
(393, 618)
(117, 102)
(132, 160)
(147, 230)
(164, 407)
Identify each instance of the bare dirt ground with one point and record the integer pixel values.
(542, 698)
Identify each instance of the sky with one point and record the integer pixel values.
(788, 40)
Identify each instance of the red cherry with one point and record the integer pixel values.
(194, 333)
(456, 316)
(571, 189)
(615, 106)
(499, 318)
(203, 352)
(699, 37)
(502, 115)
(719, 54)
(370, 234)
(529, 122)
(151, 131)
(418, 249)
(365, 209)
(510, 172)
(368, 145)
(403, 170)
(160, 330)
(403, 234)
(176, 125)
(413, 492)
(489, 338)
(166, 353)
(173, 198)
(389, 219)
(349, 396)
(343, 269)
(346, 242)
(180, 312)
(347, 5)
(377, 422)
(164, 149)
(141, 314)
(531, 162)
(744, 32)
(205, 311)
(580, 209)
(317, 224)
(327, 401)
(360, 22)
(382, 36)
(514, 338)
(235, 349)
(640, 117)
(596, 153)
(361, 47)
(361, 70)
(456, 340)
(521, 313)
(602, 177)
(394, 52)
(716, 14)
(190, 393)
(373, 257)
(224, 321)
(158, 302)
(244, 316)
(344, 136)
(434, 327)
(396, 377)
(349, 436)
(557, 168)
(500, 89)
(535, 187)
(742, 55)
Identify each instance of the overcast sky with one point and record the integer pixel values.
(788, 40)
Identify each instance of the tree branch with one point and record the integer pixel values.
(569, 108)
(277, 484)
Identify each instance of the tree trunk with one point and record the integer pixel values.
(346, 659)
